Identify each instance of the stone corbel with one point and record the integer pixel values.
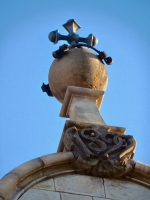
(99, 151)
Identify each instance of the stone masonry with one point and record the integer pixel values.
(81, 187)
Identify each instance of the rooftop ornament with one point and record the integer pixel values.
(67, 69)
(78, 79)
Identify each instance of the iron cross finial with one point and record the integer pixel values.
(72, 38)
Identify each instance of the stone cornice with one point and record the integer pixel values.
(17, 181)
(20, 179)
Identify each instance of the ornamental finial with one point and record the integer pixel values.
(72, 38)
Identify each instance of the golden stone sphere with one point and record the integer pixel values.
(77, 67)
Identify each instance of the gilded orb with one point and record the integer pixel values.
(77, 67)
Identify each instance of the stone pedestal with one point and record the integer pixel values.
(82, 104)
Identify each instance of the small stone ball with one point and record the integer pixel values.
(77, 67)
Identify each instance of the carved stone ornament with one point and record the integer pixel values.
(99, 151)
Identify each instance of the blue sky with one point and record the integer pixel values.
(30, 125)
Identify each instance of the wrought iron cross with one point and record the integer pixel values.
(72, 38)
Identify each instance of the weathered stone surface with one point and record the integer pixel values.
(28, 179)
(58, 158)
(66, 196)
(26, 168)
(5, 188)
(84, 109)
(45, 185)
(79, 67)
(80, 184)
(100, 152)
(80, 92)
(95, 198)
(34, 194)
(81, 125)
(142, 168)
(125, 190)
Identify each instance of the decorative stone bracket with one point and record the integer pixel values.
(99, 151)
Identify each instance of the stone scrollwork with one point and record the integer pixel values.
(99, 151)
